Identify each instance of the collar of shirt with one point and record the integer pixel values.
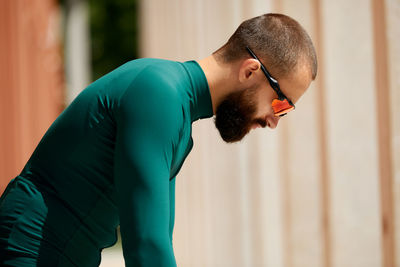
(200, 98)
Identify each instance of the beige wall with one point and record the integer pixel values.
(323, 189)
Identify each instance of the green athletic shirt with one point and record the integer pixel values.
(109, 159)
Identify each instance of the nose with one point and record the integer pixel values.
(273, 122)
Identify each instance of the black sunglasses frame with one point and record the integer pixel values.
(274, 83)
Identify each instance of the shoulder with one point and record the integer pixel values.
(157, 84)
(152, 97)
(160, 72)
(144, 72)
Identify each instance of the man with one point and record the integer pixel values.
(112, 156)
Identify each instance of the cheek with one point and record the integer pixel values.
(264, 101)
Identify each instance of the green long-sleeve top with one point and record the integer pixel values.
(111, 159)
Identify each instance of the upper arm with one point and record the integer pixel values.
(147, 125)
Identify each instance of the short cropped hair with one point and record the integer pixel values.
(278, 40)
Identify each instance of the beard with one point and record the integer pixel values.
(235, 115)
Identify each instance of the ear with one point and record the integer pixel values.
(247, 69)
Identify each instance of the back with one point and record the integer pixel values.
(71, 172)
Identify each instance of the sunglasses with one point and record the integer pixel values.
(281, 105)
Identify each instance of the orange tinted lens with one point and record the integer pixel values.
(281, 107)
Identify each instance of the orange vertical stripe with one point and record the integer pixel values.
(384, 132)
(323, 147)
(31, 95)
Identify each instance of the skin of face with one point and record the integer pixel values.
(293, 87)
(249, 106)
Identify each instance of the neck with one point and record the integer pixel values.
(221, 79)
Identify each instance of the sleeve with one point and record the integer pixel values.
(146, 125)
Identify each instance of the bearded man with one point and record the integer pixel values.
(110, 159)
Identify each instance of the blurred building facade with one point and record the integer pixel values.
(323, 190)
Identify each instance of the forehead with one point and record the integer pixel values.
(296, 84)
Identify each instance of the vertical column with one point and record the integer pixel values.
(32, 79)
(322, 131)
(10, 155)
(383, 116)
(392, 19)
(77, 48)
(351, 134)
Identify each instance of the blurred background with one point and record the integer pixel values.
(323, 190)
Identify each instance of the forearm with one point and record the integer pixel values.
(150, 252)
